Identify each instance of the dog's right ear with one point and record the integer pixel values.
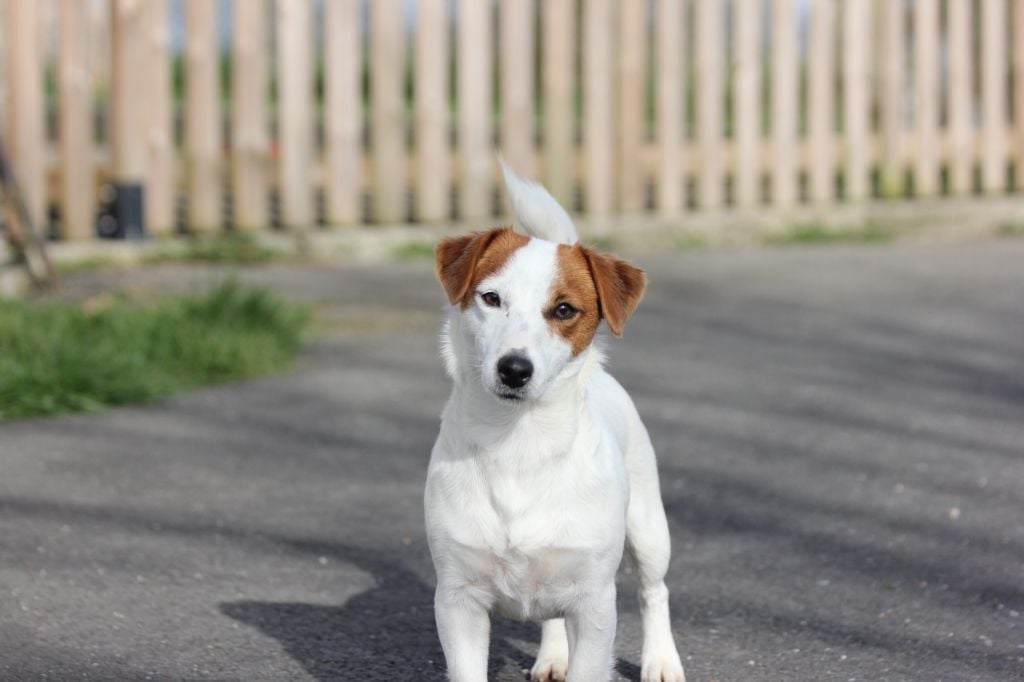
(457, 259)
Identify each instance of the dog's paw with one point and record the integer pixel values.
(665, 668)
(549, 669)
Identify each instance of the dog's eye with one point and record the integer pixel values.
(564, 311)
(490, 298)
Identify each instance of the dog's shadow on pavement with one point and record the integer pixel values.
(386, 632)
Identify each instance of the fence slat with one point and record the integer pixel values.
(960, 99)
(474, 105)
(202, 115)
(129, 76)
(1018, 86)
(926, 94)
(821, 96)
(892, 66)
(709, 20)
(858, 100)
(160, 162)
(26, 141)
(250, 139)
(559, 53)
(747, 102)
(343, 115)
(598, 128)
(784, 104)
(433, 172)
(516, 65)
(295, 88)
(993, 96)
(387, 105)
(671, 74)
(632, 21)
(77, 191)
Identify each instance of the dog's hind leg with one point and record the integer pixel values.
(648, 544)
(553, 658)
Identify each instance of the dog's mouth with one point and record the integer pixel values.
(511, 395)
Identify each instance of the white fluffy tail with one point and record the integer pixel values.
(536, 210)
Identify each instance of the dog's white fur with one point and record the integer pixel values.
(529, 503)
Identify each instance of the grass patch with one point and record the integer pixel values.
(817, 233)
(413, 251)
(58, 357)
(1011, 229)
(230, 248)
(90, 264)
(602, 242)
(689, 241)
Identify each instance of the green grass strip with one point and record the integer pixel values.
(59, 357)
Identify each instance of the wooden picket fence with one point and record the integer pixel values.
(343, 112)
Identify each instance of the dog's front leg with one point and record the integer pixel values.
(464, 627)
(591, 630)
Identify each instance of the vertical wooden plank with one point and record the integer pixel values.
(76, 171)
(1018, 88)
(559, 45)
(710, 182)
(128, 120)
(26, 142)
(343, 117)
(387, 102)
(160, 156)
(474, 106)
(516, 66)
(671, 74)
(747, 102)
(821, 95)
(960, 97)
(295, 96)
(892, 64)
(202, 115)
(433, 172)
(250, 133)
(632, 22)
(598, 127)
(784, 101)
(857, 102)
(993, 96)
(926, 96)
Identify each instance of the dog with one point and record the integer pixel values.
(542, 471)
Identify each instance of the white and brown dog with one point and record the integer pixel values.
(542, 471)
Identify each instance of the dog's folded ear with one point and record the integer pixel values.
(457, 259)
(620, 286)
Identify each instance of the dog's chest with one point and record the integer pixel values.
(535, 563)
(531, 538)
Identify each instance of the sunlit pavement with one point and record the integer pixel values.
(841, 440)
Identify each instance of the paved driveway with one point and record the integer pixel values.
(841, 437)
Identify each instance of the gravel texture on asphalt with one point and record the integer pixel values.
(841, 441)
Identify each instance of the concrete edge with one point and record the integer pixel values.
(918, 220)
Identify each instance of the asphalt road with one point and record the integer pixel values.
(841, 441)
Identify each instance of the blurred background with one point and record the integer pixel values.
(214, 432)
(160, 116)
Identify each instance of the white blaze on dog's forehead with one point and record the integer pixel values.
(526, 277)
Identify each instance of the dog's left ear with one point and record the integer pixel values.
(620, 286)
(456, 262)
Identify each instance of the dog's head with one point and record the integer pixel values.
(529, 306)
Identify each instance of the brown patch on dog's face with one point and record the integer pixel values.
(589, 287)
(462, 262)
(573, 287)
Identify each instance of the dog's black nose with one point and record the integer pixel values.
(515, 370)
